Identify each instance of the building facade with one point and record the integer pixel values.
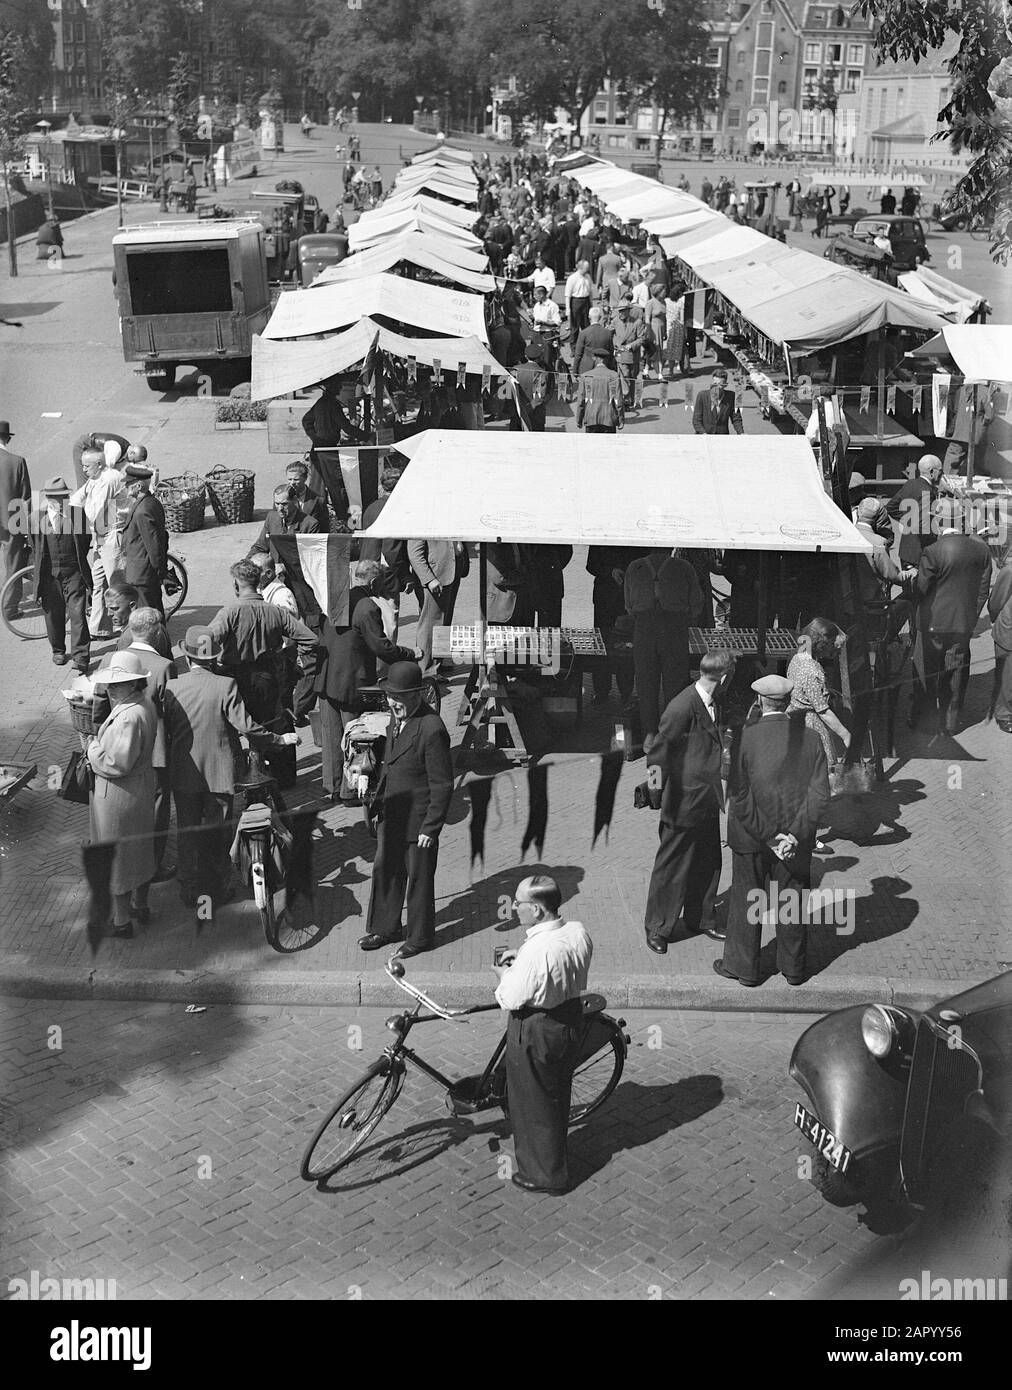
(900, 103)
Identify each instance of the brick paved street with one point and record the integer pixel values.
(688, 1180)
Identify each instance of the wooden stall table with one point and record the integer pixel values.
(489, 652)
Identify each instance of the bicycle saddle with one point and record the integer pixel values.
(593, 1003)
(255, 817)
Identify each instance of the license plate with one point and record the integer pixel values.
(836, 1154)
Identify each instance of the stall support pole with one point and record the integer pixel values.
(971, 448)
(762, 613)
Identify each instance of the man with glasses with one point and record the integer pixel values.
(541, 988)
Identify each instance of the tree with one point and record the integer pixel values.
(672, 73)
(30, 20)
(13, 118)
(978, 116)
(390, 50)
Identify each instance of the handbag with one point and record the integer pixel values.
(78, 781)
(853, 779)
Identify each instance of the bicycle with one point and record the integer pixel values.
(30, 621)
(259, 798)
(350, 1122)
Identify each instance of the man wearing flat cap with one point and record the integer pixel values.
(412, 799)
(716, 410)
(532, 382)
(778, 790)
(145, 541)
(600, 408)
(63, 575)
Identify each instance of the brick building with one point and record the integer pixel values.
(899, 109)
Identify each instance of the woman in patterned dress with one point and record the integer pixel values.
(817, 643)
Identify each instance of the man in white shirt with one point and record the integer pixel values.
(543, 275)
(541, 989)
(579, 293)
(545, 312)
(835, 421)
(99, 499)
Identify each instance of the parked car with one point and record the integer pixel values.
(319, 251)
(861, 255)
(893, 1095)
(905, 234)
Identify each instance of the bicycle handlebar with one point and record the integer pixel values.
(395, 970)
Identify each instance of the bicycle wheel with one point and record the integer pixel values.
(29, 622)
(348, 1125)
(598, 1073)
(262, 895)
(171, 603)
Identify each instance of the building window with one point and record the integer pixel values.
(813, 52)
(741, 59)
(621, 118)
(943, 97)
(600, 110)
(855, 53)
(713, 57)
(781, 88)
(901, 100)
(853, 79)
(739, 86)
(811, 75)
(834, 52)
(734, 118)
(883, 97)
(766, 7)
(817, 19)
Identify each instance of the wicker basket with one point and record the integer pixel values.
(82, 716)
(184, 499)
(231, 494)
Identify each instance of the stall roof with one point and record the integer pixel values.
(280, 367)
(981, 351)
(411, 248)
(759, 493)
(433, 207)
(464, 199)
(362, 234)
(451, 173)
(444, 151)
(947, 298)
(430, 307)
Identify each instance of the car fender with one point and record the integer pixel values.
(854, 1095)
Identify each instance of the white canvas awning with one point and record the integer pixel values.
(416, 200)
(698, 491)
(952, 301)
(981, 351)
(412, 249)
(280, 367)
(363, 234)
(444, 152)
(449, 173)
(454, 313)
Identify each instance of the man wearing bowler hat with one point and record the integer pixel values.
(412, 799)
(63, 575)
(15, 501)
(779, 788)
(145, 542)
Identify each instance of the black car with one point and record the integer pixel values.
(894, 1095)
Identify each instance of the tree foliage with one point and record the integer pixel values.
(30, 22)
(671, 70)
(978, 115)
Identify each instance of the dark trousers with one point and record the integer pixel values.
(304, 695)
(332, 724)
(750, 874)
(65, 598)
(14, 556)
(204, 837)
(549, 612)
(685, 876)
(435, 611)
(542, 1049)
(600, 429)
(163, 810)
(946, 670)
(579, 317)
(150, 591)
(661, 659)
(609, 604)
(403, 875)
(1001, 697)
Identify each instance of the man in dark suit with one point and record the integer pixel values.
(204, 716)
(909, 509)
(397, 572)
(779, 789)
(953, 581)
(439, 566)
(309, 502)
(595, 335)
(286, 518)
(548, 563)
(326, 422)
(145, 542)
(412, 799)
(15, 488)
(715, 410)
(63, 575)
(686, 754)
(600, 408)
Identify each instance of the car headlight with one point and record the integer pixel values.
(879, 1031)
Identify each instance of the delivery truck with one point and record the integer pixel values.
(191, 294)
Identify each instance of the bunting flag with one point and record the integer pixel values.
(764, 399)
(486, 377)
(316, 571)
(940, 383)
(462, 374)
(891, 399)
(664, 395)
(865, 399)
(537, 810)
(480, 793)
(607, 787)
(348, 477)
(918, 395)
(412, 370)
(638, 392)
(690, 394)
(98, 872)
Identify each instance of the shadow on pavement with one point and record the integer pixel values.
(479, 906)
(637, 1115)
(408, 1149)
(882, 913)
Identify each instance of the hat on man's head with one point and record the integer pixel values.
(201, 644)
(601, 351)
(138, 471)
(123, 667)
(55, 487)
(5, 429)
(113, 453)
(534, 352)
(777, 687)
(402, 678)
(720, 373)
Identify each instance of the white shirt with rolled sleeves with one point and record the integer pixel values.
(99, 498)
(551, 966)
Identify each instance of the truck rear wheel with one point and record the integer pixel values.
(164, 381)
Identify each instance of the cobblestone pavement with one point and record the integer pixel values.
(162, 1150)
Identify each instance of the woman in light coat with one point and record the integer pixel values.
(123, 802)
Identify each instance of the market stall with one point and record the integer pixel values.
(330, 307)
